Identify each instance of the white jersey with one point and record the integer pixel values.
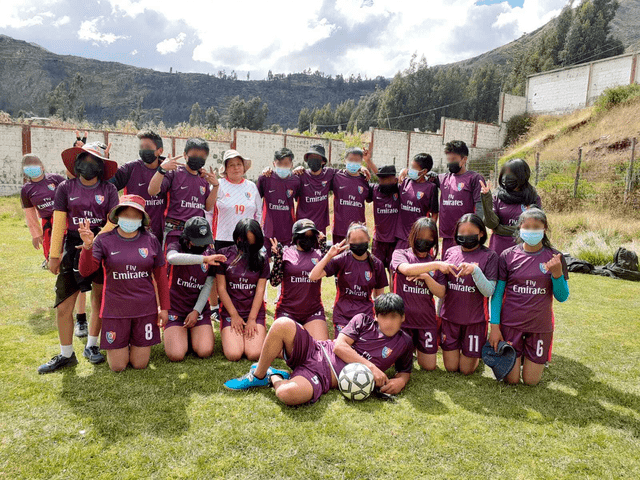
(235, 202)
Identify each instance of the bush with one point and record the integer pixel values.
(617, 96)
(556, 192)
(517, 127)
(596, 248)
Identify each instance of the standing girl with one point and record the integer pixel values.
(241, 281)
(86, 198)
(132, 259)
(465, 311)
(413, 270)
(301, 298)
(192, 275)
(360, 275)
(515, 194)
(530, 275)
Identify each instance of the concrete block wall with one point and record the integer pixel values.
(430, 143)
(568, 89)
(458, 130)
(259, 147)
(510, 106)
(10, 159)
(299, 145)
(390, 147)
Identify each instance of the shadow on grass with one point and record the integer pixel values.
(43, 321)
(567, 393)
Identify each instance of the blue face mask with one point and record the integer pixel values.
(413, 174)
(353, 167)
(531, 237)
(283, 172)
(129, 225)
(32, 171)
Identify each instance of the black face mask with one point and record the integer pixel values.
(89, 170)
(422, 245)
(468, 241)
(315, 164)
(359, 249)
(389, 189)
(196, 163)
(509, 182)
(147, 156)
(196, 250)
(307, 243)
(246, 247)
(454, 167)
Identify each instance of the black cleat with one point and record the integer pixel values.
(93, 354)
(59, 361)
(215, 316)
(82, 329)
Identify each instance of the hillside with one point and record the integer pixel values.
(29, 72)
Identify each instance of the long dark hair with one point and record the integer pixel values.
(527, 194)
(254, 253)
(477, 221)
(536, 214)
(361, 226)
(423, 223)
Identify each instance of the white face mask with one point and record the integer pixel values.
(129, 225)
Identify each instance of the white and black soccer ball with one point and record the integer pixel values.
(356, 381)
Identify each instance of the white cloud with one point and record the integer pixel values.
(23, 13)
(171, 45)
(89, 32)
(134, 52)
(61, 21)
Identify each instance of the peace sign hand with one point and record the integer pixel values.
(173, 163)
(274, 245)
(106, 150)
(337, 249)
(211, 176)
(86, 234)
(484, 188)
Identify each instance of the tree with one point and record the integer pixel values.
(343, 113)
(304, 120)
(324, 119)
(251, 115)
(212, 118)
(196, 116)
(64, 100)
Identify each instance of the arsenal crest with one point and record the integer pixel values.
(110, 336)
(204, 267)
(386, 351)
(314, 261)
(202, 190)
(289, 193)
(99, 199)
(360, 190)
(144, 252)
(395, 196)
(543, 268)
(419, 195)
(460, 186)
(367, 276)
(51, 187)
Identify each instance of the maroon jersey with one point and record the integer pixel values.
(370, 343)
(313, 202)
(356, 282)
(79, 202)
(416, 200)
(300, 296)
(463, 303)
(128, 263)
(508, 213)
(187, 194)
(458, 195)
(349, 195)
(528, 295)
(40, 194)
(278, 208)
(420, 310)
(385, 214)
(185, 282)
(134, 178)
(240, 281)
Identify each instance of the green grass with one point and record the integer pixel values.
(176, 420)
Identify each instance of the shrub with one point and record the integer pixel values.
(617, 96)
(556, 192)
(517, 127)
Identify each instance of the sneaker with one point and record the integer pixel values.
(82, 329)
(215, 316)
(93, 354)
(247, 381)
(59, 361)
(274, 371)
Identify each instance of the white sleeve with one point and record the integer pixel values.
(258, 198)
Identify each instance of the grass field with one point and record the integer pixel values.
(177, 421)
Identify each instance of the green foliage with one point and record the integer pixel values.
(196, 116)
(617, 96)
(250, 115)
(517, 127)
(305, 119)
(212, 118)
(556, 192)
(64, 101)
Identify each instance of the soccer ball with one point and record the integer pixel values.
(356, 381)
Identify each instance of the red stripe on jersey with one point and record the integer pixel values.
(104, 288)
(214, 221)
(485, 302)
(264, 213)
(395, 282)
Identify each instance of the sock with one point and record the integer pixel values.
(92, 341)
(81, 317)
(66, 350)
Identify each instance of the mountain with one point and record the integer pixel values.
(112, 90)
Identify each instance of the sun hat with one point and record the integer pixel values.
(502, 361)
(228, 155)
(96, 150)
(134, 201)
(317, 149)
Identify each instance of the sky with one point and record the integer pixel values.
(367, 37)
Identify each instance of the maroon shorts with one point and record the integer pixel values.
(447, 243)
(307, 360)
(534, 346)
(302, 319)
(468, 338)
(178, 320)
(122, 332)
(424, 339)
(383, 251)
(225, 318)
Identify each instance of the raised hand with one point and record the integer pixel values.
(337, 249)
(267, 172)
(107, 150)
(555, 265)
(211, 176)
(484, 188)
(173, 163)
(365, 171)
(87, 236)
(403, 174)
(274, 245)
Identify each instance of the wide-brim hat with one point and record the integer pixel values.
(316, 150)
(228, 155)
(502, 361)
(134, 201)
(96, 150)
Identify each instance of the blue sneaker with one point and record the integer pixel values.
(274, 371)
(247, 381)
